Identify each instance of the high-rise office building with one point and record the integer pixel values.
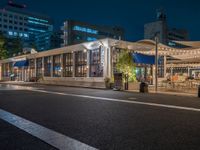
(56, 39)
(75, 32)
(163, 31)
(31, 28)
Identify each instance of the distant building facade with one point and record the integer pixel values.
(75, 32)
(32, 29)
(56, 39)
(165, 33)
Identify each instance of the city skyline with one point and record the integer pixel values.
(119, 14)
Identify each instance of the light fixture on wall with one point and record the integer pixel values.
(85, 50)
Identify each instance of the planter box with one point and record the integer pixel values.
(133, 86)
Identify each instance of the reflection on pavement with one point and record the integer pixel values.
(15, 87)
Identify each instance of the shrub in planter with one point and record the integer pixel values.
(107, 82)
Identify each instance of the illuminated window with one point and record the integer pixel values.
(80, 64)
(32, 68)
(20, 34)
(68, 64)
(25, 35)
(57, 70)
(15, 34)
(47, 66)
(96, 68)
(39, 67)
(10, 33)
(5, 70)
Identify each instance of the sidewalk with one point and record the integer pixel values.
(175, 93)
(170, 93)
(18, 82)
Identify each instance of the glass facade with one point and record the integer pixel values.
(80, 64)
(96, 69)
(32, 67)
(57, 70)
(47, 66)
(6, 70)
(68, 65)
(72, 64)
(39, 67)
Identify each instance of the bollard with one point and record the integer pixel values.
(198, 90)
(143, 87)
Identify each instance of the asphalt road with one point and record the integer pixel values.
(103, 119)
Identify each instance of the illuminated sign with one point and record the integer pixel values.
(35, 22)
(37, 19)
(32, 29)
(91, 39)
(83, 29)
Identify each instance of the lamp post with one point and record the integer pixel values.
(156, 63)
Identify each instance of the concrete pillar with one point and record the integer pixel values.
(145, 72)
(153, 74)
(88, 63)
(104, 54)
(109, 72)
(8, 70)
(42, 66)
(51, 57)
(61, 65)
(0, 72)
(188, 71)
(111, 60)
(165, 66)
(74, 66)
(22, 73)
(171, 72)
(25, 76)
(35, 61)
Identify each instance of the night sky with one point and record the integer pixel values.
(129, 14)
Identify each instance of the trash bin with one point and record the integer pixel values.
(143, 87)
(198, 90)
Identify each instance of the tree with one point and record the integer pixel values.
(3, 51)
(14, 46)
(33, 45)
(126, 66)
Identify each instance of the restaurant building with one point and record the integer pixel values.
(89, 64)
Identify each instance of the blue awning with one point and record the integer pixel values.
(23, 63)
(143, 59)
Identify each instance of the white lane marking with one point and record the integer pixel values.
(122, 101)
(51, 137)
